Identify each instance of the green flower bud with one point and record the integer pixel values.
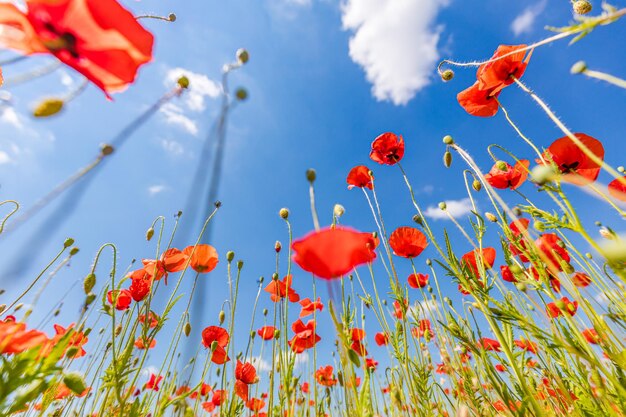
(447, 75)
(221, 317)
(48, 107)
(447, 139)
(242, 56)
(68, 242)
(183, 82)
(311, 175)
(477, 185)
(171, 17)
(74, 251)
(149, 234)
(443, 206)
(578, 68)
(89, 282)
(418, 219)
(338, 210)
(447, 159)
(75, 382)
(582, 7)
(230, 255)
(283, 213)
(241, 94)
(187, 329)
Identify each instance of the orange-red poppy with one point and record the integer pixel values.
(141, 284)
(580, 279)
(76, 340)
(387, 149)
(564, 305)
(506, 274)
(305, 336)
(153, 382)
(203, 258)
(552, 251)
(526, 345)
(140, 343)
(591, 336)
(617, 188)
(357, 336)
(333, 252)
(381, 338)
(267, 332)
(121, 298)
(423, 329)
(498, 74)
(14, 338)
(255, 404)
(487, 256)
(98, 38)
(518, 245)
(324, 376)
(490, 344)
(245, 374)
(407, 242)
(477, 102)
(62, 391)
(152, 319)
(418, 280)
(282, 289)
(511, 177)
(220, 337)
(360, 176)
(309, 307)
(572, 162)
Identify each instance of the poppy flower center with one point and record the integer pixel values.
(569, 167)
(60, 40)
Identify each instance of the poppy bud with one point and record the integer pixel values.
(447, 75)
(311, 175)
(443, 206)
(429, 262)
(242, 56)
(491, 217)
(384, 302)
(588, 255)
(447, 139)
(149, 234)
(183, 82)
(539, 226)
(568, 268)
(265, 312)
(274, 276)
(90, 299)
(579, 67)
(2, 308)
(277, 246)
(582, 7)
(239, 264)
(71, 352)
(283, 213)
(338, 210)
(241, 94)
(230, 255)
(75, 382)
(477, 185)
(501, 165)
(106, 149)
(118, 330)
(221, 316)
(171, 17)
(48, 107)
(447, 159)
(68, 242)
(89, 282)
(213, 346)
(19, 307)
(187, 329)
(74, 251)
(261, 280)
(418, 219)
(621, 169)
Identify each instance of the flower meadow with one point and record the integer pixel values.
(523, 334)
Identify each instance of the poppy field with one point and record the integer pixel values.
(535, 324)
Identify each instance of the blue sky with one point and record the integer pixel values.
(325, 78)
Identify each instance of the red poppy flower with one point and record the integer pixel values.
(98, 38)
(511, 177)
(490, 344)
(580, 279)
(220, 337)
(324, 376)
(407, 242)
(552, 251)
(305, 387)
(140, 343)
(498, 74)
(122, 299)
(77, 340)
(387, 149)
(153, 382)
(526, 345)
(617, 188)
(14, 338)
(418, 280)
(141, 284)
(500, 368)
(564, 305)
(333, 252)
(518, 244)
(591, 336)
(309, 307)
(381, 338)
(255, 404)
(305, 336)
(203, 391)
(152, 319)
(282, 289)
(359, 176)
(267, 332)
(203, 258)
(245, 374)
(506, 273)
(371, 363)
(572, 162)
(357, 336)
(478, 102)
(62, 391)
(399, 309)
(486, 255)
(422, 329)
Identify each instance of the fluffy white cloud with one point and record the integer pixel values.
(201, 87)
(524, 22)
(9, 116)
(172, 147)
(156, 189)
(4, 158)
(395, 41)
(175, 115)
(456, 208)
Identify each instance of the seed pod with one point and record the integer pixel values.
(338, 210)
(477, 185)
(283, 213)
(443, 206)
(582, 7)
(311, 175)
(171, 17)
(242, 55)
(447, 75)
(183, 82)
(447, 159)
(448, 140)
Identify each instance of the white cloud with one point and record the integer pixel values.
(287, 9)
(200, 88)
(423, 308)
(261, 364)
(156, 189)
(9, 116)
(4, 158)
(455, 208)
(172, 147)
(174, 115)
(395, 41)
(524, 22)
